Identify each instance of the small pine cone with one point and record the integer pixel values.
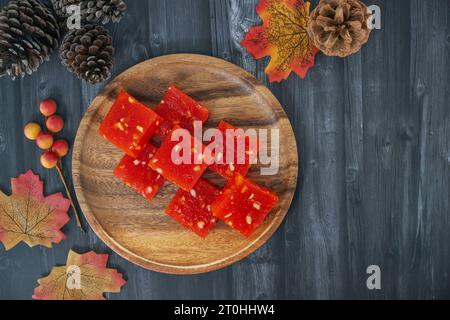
(93, 11)
(340, 27)
(88, 52)
(29, 33)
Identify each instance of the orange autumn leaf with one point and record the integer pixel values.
(284, 37)
(26, 215)
(84, 277)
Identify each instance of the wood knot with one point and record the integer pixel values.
(351, 174)
(420, 89)
(408, 133)
(156, 40)
(386, 142)
(313, 163)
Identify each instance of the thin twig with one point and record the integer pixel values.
(64, 181)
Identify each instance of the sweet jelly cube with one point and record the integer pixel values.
(243, 204)
(179, 109)
(136, 173)
(223, 166)
(193, 209)
(129, 124)
(184, 173)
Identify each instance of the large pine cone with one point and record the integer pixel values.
(92, 11)
(29, 33)
(88, 52)
(340, 27)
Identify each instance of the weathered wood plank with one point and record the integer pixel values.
(373, 221)
(430, 257)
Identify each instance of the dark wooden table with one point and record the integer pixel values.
(374, 141)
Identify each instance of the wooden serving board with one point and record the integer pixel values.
(139, 230)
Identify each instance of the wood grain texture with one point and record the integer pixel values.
(390, 168)
(139, 230)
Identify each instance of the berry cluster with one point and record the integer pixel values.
(54, 150)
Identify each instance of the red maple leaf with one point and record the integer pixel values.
(26, 215)
(283, 36)
(84, 277)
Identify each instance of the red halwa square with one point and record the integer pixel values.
(179, 109)
(129, 124)
(185, 174)
(136, 173)
(192, 209)
(227, 168)
(244, 205)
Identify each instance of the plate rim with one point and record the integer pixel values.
(146, 263)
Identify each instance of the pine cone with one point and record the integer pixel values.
(92, 11)
(88, 52)
(29, 33)
(339, 27)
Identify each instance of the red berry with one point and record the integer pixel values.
(48, 107)
(55, 123)
(44, 140)
(32, 130)
(61, 148)
(49, 159)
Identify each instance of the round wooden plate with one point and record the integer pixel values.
(139, 230)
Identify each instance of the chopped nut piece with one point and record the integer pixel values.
(200, 224)
(119, 126)
(257, 205)
(149, 189)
